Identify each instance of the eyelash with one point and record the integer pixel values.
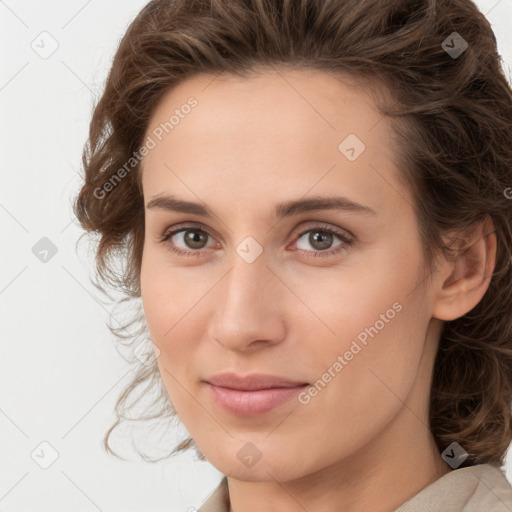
(345, 239)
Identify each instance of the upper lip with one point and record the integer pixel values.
(252, 382)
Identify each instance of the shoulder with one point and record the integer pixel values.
(471, 489)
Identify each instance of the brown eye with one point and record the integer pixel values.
(187, 241)
(195, 239)
(319, 239)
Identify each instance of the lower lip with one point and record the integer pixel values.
(252, 403)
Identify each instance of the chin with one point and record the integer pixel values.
(257, 461)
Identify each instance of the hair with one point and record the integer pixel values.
(451, 117)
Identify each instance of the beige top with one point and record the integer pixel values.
(481, 488)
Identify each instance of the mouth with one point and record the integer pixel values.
(253, 395)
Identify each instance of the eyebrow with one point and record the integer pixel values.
(286, 209)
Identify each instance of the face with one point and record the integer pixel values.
(301, 260)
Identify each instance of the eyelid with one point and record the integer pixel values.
(186, 225)
(325, 225)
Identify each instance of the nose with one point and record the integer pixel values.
(248, 311)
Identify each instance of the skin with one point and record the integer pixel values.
(363, 442)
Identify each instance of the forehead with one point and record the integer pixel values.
(271, 130)
(270, 102)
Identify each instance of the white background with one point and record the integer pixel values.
(60, 373)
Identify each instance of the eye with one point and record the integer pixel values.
(187, 241)
(193, 241)
(321, 239)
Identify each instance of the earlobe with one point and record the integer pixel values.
(469, 275)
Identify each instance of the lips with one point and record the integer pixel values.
(252, 395)
(253, 382)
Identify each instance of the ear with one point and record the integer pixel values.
(461, 284)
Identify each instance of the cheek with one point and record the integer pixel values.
(345, 301)
(174, 301)
(166, 306)
(170, 319)
(169, 294)
(374, 316)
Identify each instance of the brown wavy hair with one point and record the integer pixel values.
(451, 116)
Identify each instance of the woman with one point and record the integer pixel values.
(310, 200)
